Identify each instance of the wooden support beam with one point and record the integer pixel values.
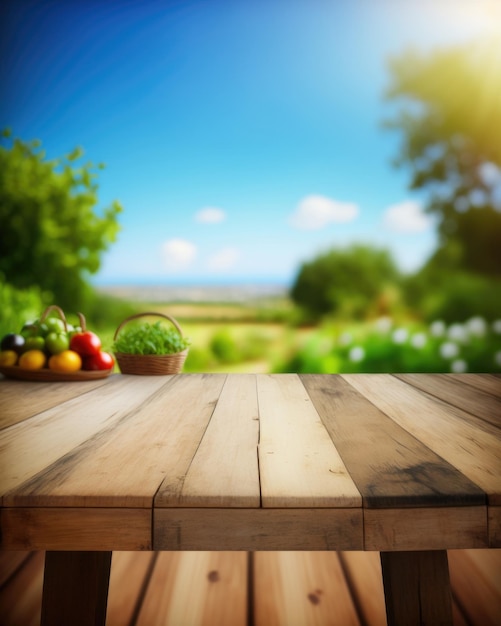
(417, 588)
(75, 589)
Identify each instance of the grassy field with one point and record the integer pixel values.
(260, 337)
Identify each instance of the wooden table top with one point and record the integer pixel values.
(252, 462)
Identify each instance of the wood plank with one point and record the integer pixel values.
(494, 521)
(475, 453)
(476, 580)
(224, 471)
(10, 563)
(363, 573)
(452, 390)
(68, 529)
(124, 465)
(417, 588)
(129, 579)
(301, 588)
(20, 600)
(257, 529)
(75, 589)
(389, 466)
(299, 465)
(197, 589)
(425, 529)
(21, 400)
(29, 447)
(490, 383)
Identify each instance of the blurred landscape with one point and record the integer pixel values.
(328, 207)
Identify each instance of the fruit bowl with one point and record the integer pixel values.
(58, 351)
(47, 375)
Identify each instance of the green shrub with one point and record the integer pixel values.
(19, 306)
(224, 347)
(471, 346)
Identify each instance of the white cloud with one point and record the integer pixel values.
(224, 259)
(178, 253)
(210, 215)
(315, 212)
(406, 217)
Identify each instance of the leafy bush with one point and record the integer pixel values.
(145, 338)
(19, 306)
(453, 296)
(347, 282)
(224, 347)
(472, 346)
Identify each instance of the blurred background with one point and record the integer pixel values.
(306, 186)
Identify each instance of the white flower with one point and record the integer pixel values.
(497, 358)
(357, 353)
(418, 340)
(400, 335)
(496, 327)
(383, 324)
(459, 366)
(457, 332)
(449, 350)
(437, 328)
(477, 326)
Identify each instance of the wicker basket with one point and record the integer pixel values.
(150, 364)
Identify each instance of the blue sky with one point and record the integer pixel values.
(241, 137)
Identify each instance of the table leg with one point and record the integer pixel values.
(75, 589)
(417, 588)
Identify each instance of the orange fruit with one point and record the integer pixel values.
(65, 361)
(32, 360)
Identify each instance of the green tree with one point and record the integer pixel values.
(450, 124)
(350, 282)
(50, 235)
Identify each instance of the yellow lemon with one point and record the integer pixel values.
(8, 358)
(65, 361)
(32, 360)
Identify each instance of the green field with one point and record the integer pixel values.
(258, 338)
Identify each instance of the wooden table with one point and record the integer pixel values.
(406, 465)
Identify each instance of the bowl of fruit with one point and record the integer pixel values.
(51, 349)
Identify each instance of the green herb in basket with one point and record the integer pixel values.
(150, 339)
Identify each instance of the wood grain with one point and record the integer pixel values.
(425, 529)
(417, 588)
(224, 471)
(20, 600)
(363, 573)
(20, 400)
(129, 577)
(299, 465)
(475, 453)
(390, 467)
(68, 529)
(494, 521)
(301, 588)
(454, 392)
(258, 529)
(197, 589)
(75, 589)
(476, 579)
(490, 383)
(124, 465)
(32, 446)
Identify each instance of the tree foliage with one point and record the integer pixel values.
(347, 282)
(450, 124)
(50, 235)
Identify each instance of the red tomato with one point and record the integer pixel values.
(99, 361)
(85, 343)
